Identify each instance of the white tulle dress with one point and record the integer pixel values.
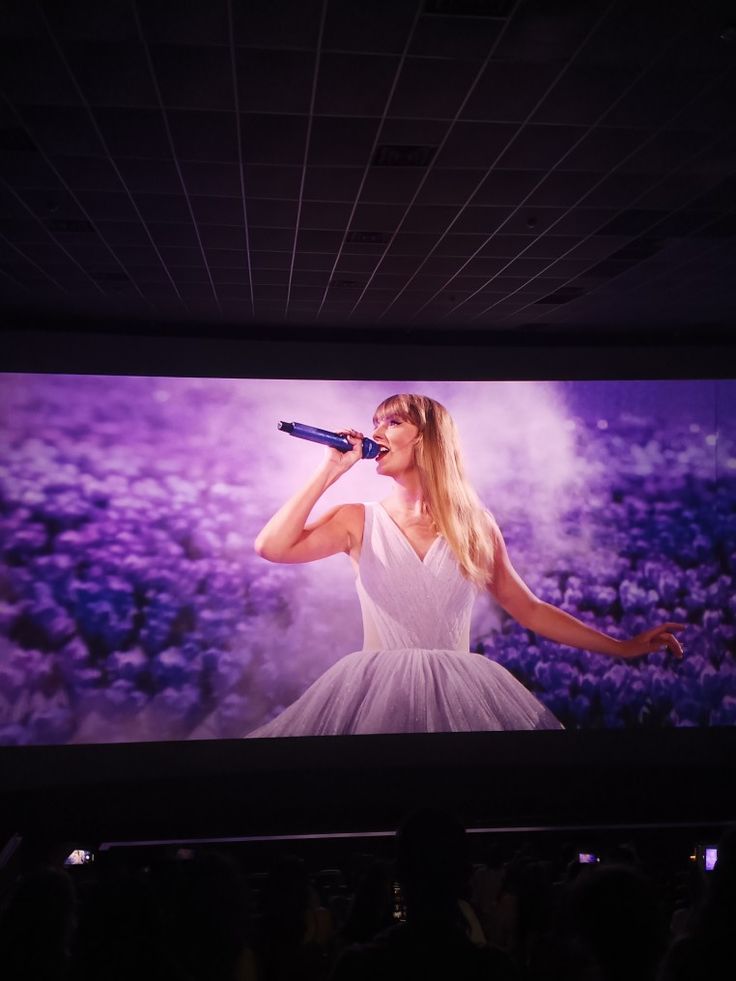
(415, 672)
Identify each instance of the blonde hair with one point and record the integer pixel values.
(450, 500)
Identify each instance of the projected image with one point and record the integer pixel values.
(134, 607)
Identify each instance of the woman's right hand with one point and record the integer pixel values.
(344, 461)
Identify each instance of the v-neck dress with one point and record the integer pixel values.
(415, 672)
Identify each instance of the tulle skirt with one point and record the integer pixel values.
(411, 690)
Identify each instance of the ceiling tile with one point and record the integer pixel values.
(506, 246)
(381, 25)
(315, 261)
(507, 187)
(566, 268)
(391, 184)
(222, 236)
(583, 95)
(485, 266)
(107, 206)
(561, 189)
(27, 169)
(631, 222)
(194, 76)
(354, 84)
(204, 135)
(270, 260)
(62, 130)
(273, 139)
(447, 185)
(583, 221)
(460, 245)
(353, 263)
(413, 132)
(16, 207)
(185, 21)
(112, 73)
(21, 20)
(31, 73)
(549, 33)
(274, 81)
(133, 132)
(322, 240)
(148, 175)
(377, 217)
(664, 152)
(671, 191)
(481, 221)
(411, 243)
(137, 255)
(320, 214)
(540, 147)
(475, 144)
(180, 234)
(618, 190)
(206, 177)
(341, 141)
(123, 233)
(602, 149)
(271, 239)
(217, 210)
(432, 87)
(596, 248)
(429, 218)
(184, 257)
(86, 20)
(313, 278)
(332, 183)
(657, 97)
(229, 258)
(272, 213)
(469, 38)
(277, 23)
(163, 207)
(88, 173)
(230, 274)
(509, 91)
(263, 181)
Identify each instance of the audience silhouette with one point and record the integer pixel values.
(708, 947)
(194, 915)
(433, 874)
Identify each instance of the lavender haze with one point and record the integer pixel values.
(132, 605)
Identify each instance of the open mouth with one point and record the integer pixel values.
(382, 452)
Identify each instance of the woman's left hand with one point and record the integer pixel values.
(656, 639)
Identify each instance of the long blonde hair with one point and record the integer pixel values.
(449, 498)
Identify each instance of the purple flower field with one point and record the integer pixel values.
(132, 606)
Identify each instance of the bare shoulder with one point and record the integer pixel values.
(352, 519)
(492, 525)
(353, 516)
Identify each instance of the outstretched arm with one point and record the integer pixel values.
(288, 538)
(512, 593)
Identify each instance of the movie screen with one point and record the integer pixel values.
(134, 607)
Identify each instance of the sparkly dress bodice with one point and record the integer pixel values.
(407, 601)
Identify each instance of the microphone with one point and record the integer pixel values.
(371, 449)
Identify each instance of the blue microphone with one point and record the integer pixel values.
(371, 449)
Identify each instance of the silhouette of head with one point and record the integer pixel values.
(432, 861)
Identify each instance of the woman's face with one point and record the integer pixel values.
(399, 437)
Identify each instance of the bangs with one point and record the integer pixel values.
(399, 406)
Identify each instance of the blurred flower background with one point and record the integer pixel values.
(132, 606)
